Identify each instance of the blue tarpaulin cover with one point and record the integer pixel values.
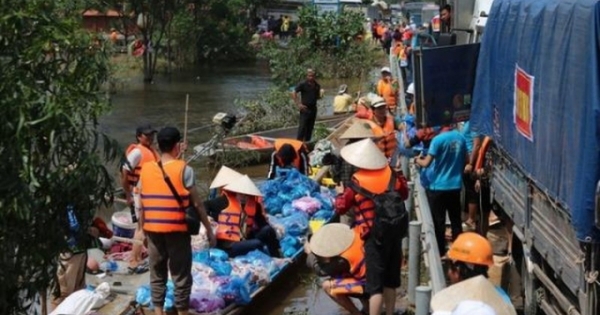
(554, 132)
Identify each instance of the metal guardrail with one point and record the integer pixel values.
(431, 254)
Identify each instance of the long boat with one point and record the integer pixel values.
(124, 293)
(257, 147)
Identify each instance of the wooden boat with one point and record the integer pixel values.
(256, 148)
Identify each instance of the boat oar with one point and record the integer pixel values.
(185, 123)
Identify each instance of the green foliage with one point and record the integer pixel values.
(273, 109)
(53, 154)
(329, 44)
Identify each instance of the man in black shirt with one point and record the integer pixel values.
(310, 92)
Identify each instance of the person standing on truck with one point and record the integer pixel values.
(310, 92)
(448, 153)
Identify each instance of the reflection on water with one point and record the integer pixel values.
(211, 90)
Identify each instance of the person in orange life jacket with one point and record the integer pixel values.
(400, 52)
(243, 225)
(383, 255)
(363, 109)
(384, 126)
(343, 171)
(337, 252)
(443, 22)
(288, 154)
(137, 154)
(448, 152)
(218, 201)
(163, 220)
(387, 87)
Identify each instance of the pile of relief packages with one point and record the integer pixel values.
(290, 202)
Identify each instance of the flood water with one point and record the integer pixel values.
(212, 90)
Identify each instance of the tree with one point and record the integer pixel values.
(53, 154)
(153, 18)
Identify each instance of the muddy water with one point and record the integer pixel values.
(213, 90)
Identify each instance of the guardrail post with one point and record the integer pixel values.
(410, 202)
(423, 297)
(414, 259)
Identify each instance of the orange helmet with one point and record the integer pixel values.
(472, 248)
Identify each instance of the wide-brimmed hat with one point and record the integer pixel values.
(225, 176)
(243, 185)
(331, 240)
(469, 307)
(476, 289)
(378, 101)
(360, 129)
(343, 89)
(364, 154)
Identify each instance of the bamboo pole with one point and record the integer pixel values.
(185, 123)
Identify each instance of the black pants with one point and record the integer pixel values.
(265, 236)
(307, 123)
(383, 261)
(439, 202)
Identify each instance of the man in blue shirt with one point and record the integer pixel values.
(449, 152)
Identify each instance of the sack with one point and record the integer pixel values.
(390, 212)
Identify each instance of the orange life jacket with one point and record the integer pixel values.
(162, 213)
(230, 220)
(387, 91)
(388, 142)
(376, 182)
(355, 255)
(298, 147)
(436, 24)
(148, 155)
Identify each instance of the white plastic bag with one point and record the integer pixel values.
(83, 301)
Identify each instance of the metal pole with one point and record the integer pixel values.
(423, 297)
(414, 261)
(410, 202)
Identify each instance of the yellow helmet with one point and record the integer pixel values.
(472, 248)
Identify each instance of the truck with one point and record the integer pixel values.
(537, 96)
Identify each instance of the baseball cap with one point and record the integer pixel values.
(378, 102)
(168, 135)
(144, 129)
(386, 69)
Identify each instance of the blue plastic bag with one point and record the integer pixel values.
(289, 245)
(235, 291)
(323, 215)
(206, 255)
(221, 268)
(296, 224)
(142, 295)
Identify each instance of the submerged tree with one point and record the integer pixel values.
(53, 154)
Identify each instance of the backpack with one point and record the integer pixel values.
(390, 212)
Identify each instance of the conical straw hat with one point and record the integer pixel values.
(478, 289)
(243, 185)
(360, 129)
(225, 176)
(331, 240)
(364, 154)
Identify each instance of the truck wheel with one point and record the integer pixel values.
(530, 287)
